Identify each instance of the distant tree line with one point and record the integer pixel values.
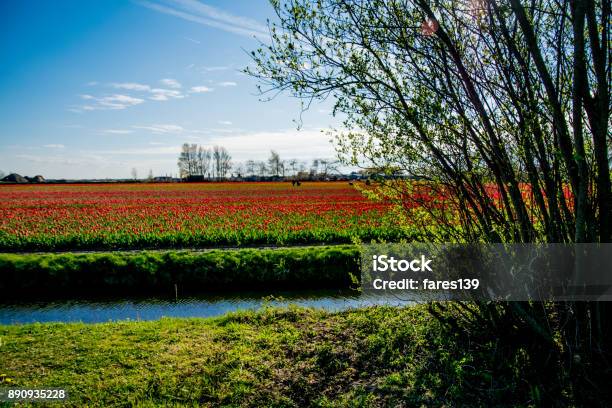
(215, 163)
(209, 163)
(274, 166)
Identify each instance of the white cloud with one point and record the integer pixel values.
(110, 102)
(171, 83)
(227, 83)
(160, 94)
(225, 122)
(118, 131)
(200, 89)
(131, 86)
(119, 101)
(54, 146)
(204, 14)
(290, 143)
(162, 128)
(160, 150)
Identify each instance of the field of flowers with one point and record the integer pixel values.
(130, 216)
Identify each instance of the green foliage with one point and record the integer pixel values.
(148, 271)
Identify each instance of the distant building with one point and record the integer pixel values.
(36, 179)
(15, 178)
(195, 178)
(164, 179)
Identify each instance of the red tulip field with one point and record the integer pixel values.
(182, 215)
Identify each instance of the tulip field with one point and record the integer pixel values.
(186, 215)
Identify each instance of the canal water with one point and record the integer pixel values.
(104, 310)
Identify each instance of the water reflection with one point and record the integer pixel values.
(103, 310)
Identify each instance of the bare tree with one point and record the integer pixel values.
(327, 167)
(196, 160)
(250, 167)
(134, 173)
(314, 168)
(187, 161)
(221, 161)
(239, 169)
(183, 161)
(261, 168)
(274, 163)
(293, 165)
(226, 162)
(203, 158)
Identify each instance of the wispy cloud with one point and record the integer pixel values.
(160, 94)
(118, 131)
(192, 40)
(109, 102)
(197, 12)
(215, 68)
(171, 83)
(131, 86)
(160, 150)
(172, 90)
(200, 89)
(225, 122)
(54, 146)
(162, 128)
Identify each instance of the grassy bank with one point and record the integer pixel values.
(291, 357)
(31, 275)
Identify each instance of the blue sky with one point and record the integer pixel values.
(92, 89)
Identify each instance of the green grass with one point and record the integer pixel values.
(201, 239)
(278, 357)
(25, 275)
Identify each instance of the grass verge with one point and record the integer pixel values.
(277, 357)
